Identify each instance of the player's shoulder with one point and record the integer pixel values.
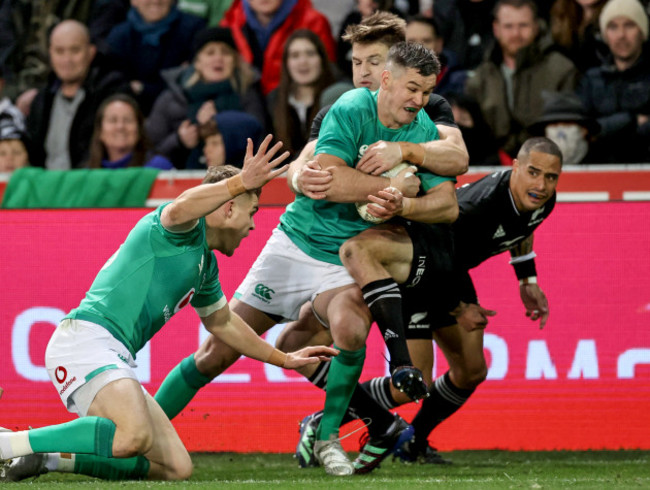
(492, 187)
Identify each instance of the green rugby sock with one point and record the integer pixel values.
(180, 386)
(136, 468)
(342, 379)
(86, 435)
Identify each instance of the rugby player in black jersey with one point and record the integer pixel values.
(431, 262)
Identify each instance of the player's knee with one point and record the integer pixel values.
(350, 337)
(180, 470)
(469, 377)
(475, 377)
(351, 250)
(129, 443)
(211, 359)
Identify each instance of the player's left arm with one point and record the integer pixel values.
(258, 169)
(235, 332)
(532, 296)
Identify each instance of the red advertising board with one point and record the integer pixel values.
(581, 383)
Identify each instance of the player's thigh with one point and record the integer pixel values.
(388, 246)
(305, 331)
(421, 351)
(214, 356)
(172, 461)
(123, 402)
(463, 350)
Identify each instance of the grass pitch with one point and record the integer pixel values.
(471, 469)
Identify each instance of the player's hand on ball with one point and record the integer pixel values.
(309, 355)
(472, 316)
(260, 168)
(535, 302)
(380, 157)
(406, 182)
(386, 204)
(313, 181)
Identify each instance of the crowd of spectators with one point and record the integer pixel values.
(182, 84)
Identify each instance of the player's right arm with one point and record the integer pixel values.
(233, 331)
(183, 213)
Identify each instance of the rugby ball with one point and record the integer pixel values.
(362, 207)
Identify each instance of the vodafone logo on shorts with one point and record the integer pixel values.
(185, 301)
(60, 373)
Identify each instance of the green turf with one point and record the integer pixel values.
(471, 469)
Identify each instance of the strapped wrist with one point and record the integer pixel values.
(524, 265)
(528, 280)
(235, 185)
(294, 182)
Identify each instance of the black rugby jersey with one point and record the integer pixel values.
(489, 223)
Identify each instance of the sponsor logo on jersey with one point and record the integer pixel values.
(535, 217)
(123, 359)
(420, 268)
(184, 301)
(390, 335)
(362, 150)
(201, 263)
(499, 233)
(60, 373)
(167, 313)
(415, 323)
(263, 292)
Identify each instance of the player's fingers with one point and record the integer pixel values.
(543, 320)
(277, 161)
(279, 171)
(265, 144)
(249, 148)
(314, 195)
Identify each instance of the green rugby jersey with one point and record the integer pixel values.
(320, 227)
(151, 276)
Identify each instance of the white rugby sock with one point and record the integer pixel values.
(62, 462)
(14, 444)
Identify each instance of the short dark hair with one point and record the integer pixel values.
(541, 145)
(380, 27)
(218, 173)
(413, 55)
(429, 21)
(518, 4)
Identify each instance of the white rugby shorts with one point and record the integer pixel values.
(83, 357)
(283, 278)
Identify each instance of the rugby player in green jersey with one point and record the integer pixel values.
(165, 263)
(300, 262)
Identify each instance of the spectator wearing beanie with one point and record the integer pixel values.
(225, 138)
(617, 93)
(217, 80)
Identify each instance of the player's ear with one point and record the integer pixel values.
(385, 78)
(227, 208)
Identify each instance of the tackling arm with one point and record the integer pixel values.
(351, 185)
(446, 156)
